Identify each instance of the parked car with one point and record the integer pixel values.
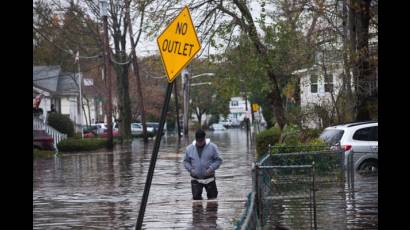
(115, 133)
(155, 126)
(236, 123)
(90, 130)
(217, 127)
(136, 129)
(359, 139)
(41, 140)
(227, 123)
(90, 135)
(101, 127)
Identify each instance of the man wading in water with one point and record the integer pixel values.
(201, 160)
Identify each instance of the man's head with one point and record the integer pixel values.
(200, 138)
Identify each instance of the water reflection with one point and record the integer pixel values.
(204, 217)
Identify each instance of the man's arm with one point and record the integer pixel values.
(216, 160)
(187, 161)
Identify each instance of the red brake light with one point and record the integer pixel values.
(347, 147)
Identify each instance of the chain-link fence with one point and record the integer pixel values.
(291, 185)
(249, 219)
(287, 185)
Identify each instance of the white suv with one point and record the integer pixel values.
(359, 139)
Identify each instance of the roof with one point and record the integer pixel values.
(67, 84)
(46, 77)
(51, 79)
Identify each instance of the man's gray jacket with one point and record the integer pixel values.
(209, 160)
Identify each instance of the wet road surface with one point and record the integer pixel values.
(102, 190)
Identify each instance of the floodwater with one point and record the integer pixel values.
(103, 190)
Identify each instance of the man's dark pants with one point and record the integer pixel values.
(211, 190)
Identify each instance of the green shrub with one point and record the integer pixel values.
(317, 142)
(291, 135)
(77, 136)
(313, 145)
(61, 123)
(263, 139)
(73, 144)
(37, 153)
(310, 134)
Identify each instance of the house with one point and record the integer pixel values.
(316, 88)
(61, 89)
(320, 85)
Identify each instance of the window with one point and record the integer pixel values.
(374, 133)
(329, 83)
(313, 83)
(332, 136)
(234, 103)
(366, 134)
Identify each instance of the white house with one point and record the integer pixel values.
(316, 88)
(239, 109)
(62, 90)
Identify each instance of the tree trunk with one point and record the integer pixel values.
(120, 28)
(123, 100)
(362, 33)
(347, 108)
(136, 73)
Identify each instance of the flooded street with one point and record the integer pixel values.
(102, 190)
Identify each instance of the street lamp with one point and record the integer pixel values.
(203, 74)
(202, 83)
(186, 85)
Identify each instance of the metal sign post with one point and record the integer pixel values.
(178, 44)
(153, 158)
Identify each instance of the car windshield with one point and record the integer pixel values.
(331, 136)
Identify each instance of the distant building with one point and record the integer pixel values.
(239, 109)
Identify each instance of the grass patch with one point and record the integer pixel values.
(77, 145)
(37, 153)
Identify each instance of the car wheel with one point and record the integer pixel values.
(369, 166)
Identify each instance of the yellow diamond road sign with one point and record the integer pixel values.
(178, 44)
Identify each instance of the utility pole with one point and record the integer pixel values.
(185, 83)
(107, 68)
(80, 85)
(177, 108)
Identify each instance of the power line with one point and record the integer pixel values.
(120, 63)
(99, 55)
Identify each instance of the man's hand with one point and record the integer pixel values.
(209, 172)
